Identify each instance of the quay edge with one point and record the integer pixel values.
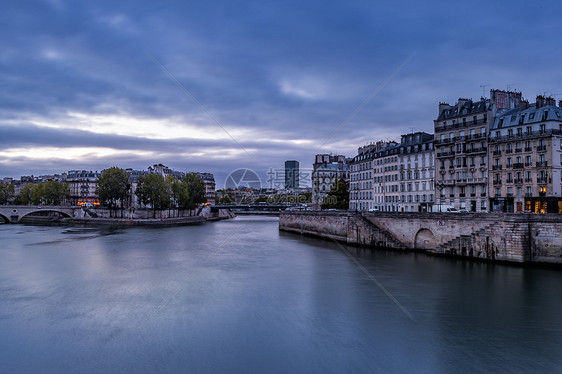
(521, 238)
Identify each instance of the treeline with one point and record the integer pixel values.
(152, 190)
(114, 191)
(44, 193)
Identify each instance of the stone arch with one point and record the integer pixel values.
(425, 239)
(4, 218)
(64, 214)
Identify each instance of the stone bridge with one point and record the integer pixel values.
(504, 237)
(14, 213)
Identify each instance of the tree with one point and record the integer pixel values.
(6, 193)
(154, 191)
(196, 189)
(226, 199)
(55, 193)
(48, 193)
(113, 187)
(24, 197)
(337, 197)
(180, 192)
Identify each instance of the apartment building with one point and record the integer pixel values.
(525, 154)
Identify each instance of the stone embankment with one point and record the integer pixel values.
(500, 237)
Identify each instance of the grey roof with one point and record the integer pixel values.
(469, 107)
(530, 115)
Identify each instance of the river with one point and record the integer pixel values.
(238, 296)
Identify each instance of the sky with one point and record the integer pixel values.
(217, 86)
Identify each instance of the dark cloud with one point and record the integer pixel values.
(285, 70)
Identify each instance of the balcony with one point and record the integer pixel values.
(509, 181)
(496, 167)
(472, 195)
(518, 165)
(528, 149)
(497, 153)
(477, 150)
(518, 150)
(452, 195)
(462, 195)
(527, 164)
(483, 194)
(509, 194)
(541, 148)
(497, 182)
(519, 181)
(528, 180)
(508, 151)
(542, 164)
(445, 154)
(542, 181)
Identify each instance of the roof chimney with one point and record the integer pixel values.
(540, 101)
(442, 107)
(549, 101)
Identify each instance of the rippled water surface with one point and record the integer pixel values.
(238, 296)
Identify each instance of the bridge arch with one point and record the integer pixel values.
(62, 213)
(425, 239)
(4, 218)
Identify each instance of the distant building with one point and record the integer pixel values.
(326, 170)
(82, 185)
(210, 185)
(291, 174)
(362, 183)
(416, 168)
(525, 155)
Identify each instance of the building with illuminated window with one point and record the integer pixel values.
(525, 156)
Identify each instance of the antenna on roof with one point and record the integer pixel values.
(483, 86)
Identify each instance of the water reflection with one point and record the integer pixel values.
(240, 296)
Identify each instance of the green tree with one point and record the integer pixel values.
(226, 199)
(337, 197)
(153, 190)
(113, 187)
(196, 188)
(180, 193)
(6, 193)
(24, 196)
(48, 193)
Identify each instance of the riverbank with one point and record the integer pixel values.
(496, 237)
(135, 222)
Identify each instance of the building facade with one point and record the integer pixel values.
(326, 170)
(83, 186)
(417, 169)
(291, 174)
(525, 154)
(209, 180)
(461, 154)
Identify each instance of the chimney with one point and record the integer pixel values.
(442, 107)
(540, 101)
(461, 103)
(549, 101)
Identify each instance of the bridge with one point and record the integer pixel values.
(252, 207)
(14, 213)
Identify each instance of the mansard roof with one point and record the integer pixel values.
(530, 115)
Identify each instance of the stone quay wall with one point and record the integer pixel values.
(501, 237)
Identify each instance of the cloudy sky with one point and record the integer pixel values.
(220, 85)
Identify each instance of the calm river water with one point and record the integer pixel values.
(239, 296)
